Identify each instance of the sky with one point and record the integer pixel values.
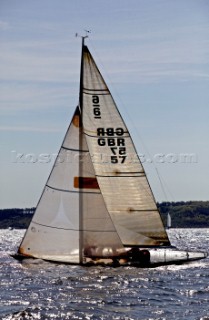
(154, 56)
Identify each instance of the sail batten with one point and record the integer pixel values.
(72, 191)
(54, 227)
(112, 137)
(75, 150)
(102, 229)
(103, 91)
(120, 175)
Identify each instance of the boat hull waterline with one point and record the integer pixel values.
(149, 258)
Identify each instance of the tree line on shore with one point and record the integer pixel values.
(190, 214)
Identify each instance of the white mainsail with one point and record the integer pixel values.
(118, 170)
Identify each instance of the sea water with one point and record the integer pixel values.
(42, 290)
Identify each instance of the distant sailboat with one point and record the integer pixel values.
(97, 205)
(168, 221)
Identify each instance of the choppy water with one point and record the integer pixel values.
(43, 290)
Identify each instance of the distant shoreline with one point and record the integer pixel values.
(190, 214)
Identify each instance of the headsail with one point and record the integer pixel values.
(120, 174)
(57, 231)
(54, 230)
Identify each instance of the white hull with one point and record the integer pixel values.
(157, 257)
(173, 256)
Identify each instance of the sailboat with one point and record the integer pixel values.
(168, 221)
(97, 206)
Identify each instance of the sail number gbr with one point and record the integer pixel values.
(112, 137)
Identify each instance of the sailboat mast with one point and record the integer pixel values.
(80, 148)
(81, 76)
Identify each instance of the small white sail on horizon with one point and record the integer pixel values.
(97, 202)
(168, 221)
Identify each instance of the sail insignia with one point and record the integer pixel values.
(86, 183)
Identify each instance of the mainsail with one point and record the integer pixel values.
(118, 169)
(97, 199)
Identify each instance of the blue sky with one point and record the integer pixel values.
(154, 55)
